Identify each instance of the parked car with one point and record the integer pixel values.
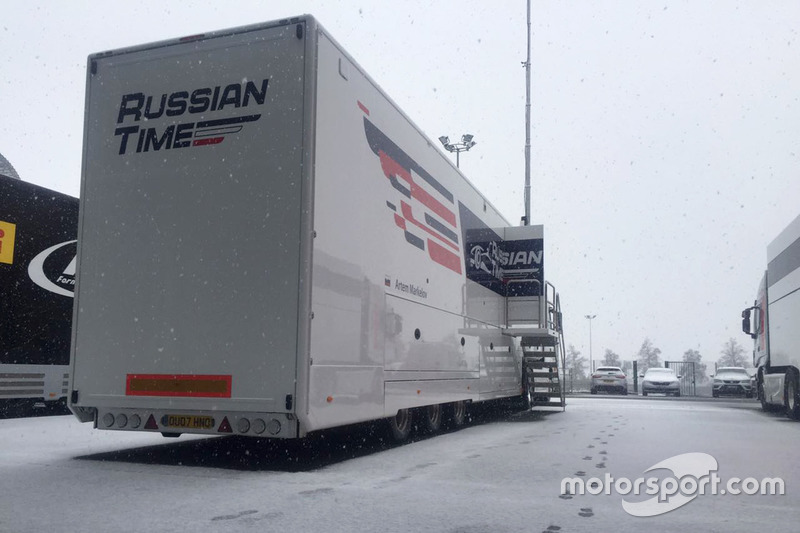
(732, 381)
(663, 380)
(610, 379)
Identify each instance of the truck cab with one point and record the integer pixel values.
(772, 324)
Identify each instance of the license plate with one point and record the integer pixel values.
(187, 421)
(608, 381)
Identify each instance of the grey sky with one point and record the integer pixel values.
(664, 146)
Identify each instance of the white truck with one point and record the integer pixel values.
(773, 324)
(37, 277)
(268, 246)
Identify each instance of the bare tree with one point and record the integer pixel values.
(733, 354)
(627, 367)
(648, 355)
(611, 359)
(700, 368)
(575, 363)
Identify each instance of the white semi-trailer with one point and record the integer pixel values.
(268, 246)
(773, 323)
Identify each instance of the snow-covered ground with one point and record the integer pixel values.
(502, 474)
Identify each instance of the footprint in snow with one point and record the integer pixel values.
(233, 516)
(324, 490)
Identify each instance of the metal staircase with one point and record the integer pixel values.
(537, 321)
(509, 261)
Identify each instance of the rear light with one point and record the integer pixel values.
(596, 376)
(122, 421)
(274, 427)
(108, 420)
(259, 426)
(620, 376)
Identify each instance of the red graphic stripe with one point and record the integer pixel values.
(210, 140)
(363, 108)
(393, 168)
(444, 257)
(433, 204)
(409, 216)
(400, 221)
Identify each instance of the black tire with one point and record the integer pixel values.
(431, 418)
(592, 391)
(678, 394)
(644, 393)
(791, 395)
(455, 414)
(400, 425)
(714, 394)
(624, 392)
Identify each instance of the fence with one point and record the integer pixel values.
(686, 375)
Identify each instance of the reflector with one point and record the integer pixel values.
(151, 423)
(225, 426)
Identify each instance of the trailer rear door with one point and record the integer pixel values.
(189, 239)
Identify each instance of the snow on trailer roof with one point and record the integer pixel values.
(6, 169)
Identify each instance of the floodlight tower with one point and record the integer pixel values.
(465, 144)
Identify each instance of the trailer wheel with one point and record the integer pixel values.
(790, 399)
(400, 425)
(432, 418)
(455, 414)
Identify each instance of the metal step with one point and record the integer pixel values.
(542, 340)
(547, 356)
(543, 367)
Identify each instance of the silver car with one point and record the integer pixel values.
(610, 379)
(732, 381)
(663, 380)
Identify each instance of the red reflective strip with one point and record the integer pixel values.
(409, 216)
(210, 140)
(393, 168)
(400, 221)
(188, 385)
(444, 257)
(363, 108)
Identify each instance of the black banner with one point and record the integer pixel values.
(37, 273)
(508, 267)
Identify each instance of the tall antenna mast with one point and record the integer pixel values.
(528, 125)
